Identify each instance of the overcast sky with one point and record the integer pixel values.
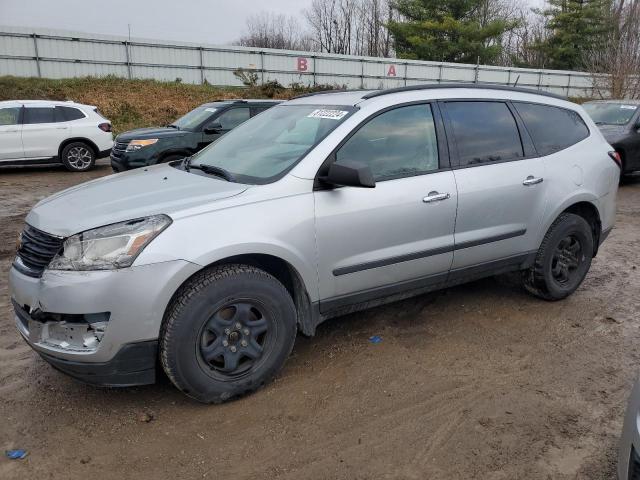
(207, 21)
(215, 22)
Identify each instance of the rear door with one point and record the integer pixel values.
(398, 236)
(501, 185)
(43, 131)
(10, 134)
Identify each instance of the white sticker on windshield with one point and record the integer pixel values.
(330, 114)
(210, 109)
(628, 107)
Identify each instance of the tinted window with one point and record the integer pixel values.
(398, 143)
(234, 117)
(484, 132)
(9, 116)
(552, 128)
(66, 114)
(39, 115)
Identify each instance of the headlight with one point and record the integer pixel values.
(109, 247)
(135, 145)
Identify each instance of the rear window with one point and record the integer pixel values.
(484, 132)
(39, 115)
(66, 114)
(552, 128)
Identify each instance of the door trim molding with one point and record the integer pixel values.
(359, 267)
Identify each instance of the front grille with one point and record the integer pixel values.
(119, 148)
(634, 465)
(36, 251)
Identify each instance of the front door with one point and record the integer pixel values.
(501, 185)
(398, 236)
(10, 134)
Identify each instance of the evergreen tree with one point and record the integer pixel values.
(576, 26)
(448, 30)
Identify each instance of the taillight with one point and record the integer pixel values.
(105, 127)
(615, 156)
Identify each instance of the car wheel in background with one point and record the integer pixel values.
(563, 259)
(78, 157)
(227, 332)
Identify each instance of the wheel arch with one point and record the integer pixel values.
(585, 207)
(90, 143)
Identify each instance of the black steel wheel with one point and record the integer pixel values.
(227, 332)
(563, 259)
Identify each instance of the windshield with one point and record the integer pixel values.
(610, 113)
(268, 145)
(194, 118)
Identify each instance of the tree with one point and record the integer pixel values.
(269, 30)
(449, 30)
(575, 26)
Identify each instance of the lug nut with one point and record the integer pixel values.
(227, 331)
(243, 343)
(225, 343)
(233, 349)
(238, 326)
(246, 331)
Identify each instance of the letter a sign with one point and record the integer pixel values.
(392, 71)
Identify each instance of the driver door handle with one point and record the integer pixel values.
(531, 180)
(435, 197)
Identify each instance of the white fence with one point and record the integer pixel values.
(63, 54)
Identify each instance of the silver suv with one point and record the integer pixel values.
(323, 205)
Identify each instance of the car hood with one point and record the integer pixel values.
(128, 195)
(155, 132)
(613, 132)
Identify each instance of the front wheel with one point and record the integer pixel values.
(228, 332)
(78, 157)
(563, 259)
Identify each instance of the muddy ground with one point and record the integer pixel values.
(479, 381)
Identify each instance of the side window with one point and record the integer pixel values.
(256, 110)
(552, 128)
(484, 132)
(9, 116)
(398, 143)
(66, 114)
(39, 115)
(234, 117)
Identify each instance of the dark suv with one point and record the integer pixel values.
(619, 122)
(185, 136)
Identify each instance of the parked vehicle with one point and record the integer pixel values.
(184, 137)
(619, 122)
(628, 451)
(323, 205)
(34, 132)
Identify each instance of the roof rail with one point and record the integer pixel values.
(320, 92)
(434, 86)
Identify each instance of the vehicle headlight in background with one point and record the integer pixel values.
(135, 145)
(109, 247)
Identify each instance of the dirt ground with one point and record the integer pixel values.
(481, 381)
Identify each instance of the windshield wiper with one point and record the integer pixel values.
(173, 126)
(208, 169)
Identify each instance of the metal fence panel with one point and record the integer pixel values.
(63, 54)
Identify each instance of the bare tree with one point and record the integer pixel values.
(616, 63)
(270, 30)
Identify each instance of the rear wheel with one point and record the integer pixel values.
(563, 259)
(227, 333)
(78, 157)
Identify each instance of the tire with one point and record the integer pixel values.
(78, 157)
(227, 333)
(563, 259)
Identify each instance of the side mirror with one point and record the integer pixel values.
(213, 127)
(637, 125)
(350, 174)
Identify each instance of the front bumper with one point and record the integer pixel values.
(629, 448)
(88, 318)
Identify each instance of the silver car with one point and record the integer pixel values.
(628, 452)
(323, 205)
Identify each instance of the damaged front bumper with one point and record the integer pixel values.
(101, 326)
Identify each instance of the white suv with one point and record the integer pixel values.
(42, 131)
